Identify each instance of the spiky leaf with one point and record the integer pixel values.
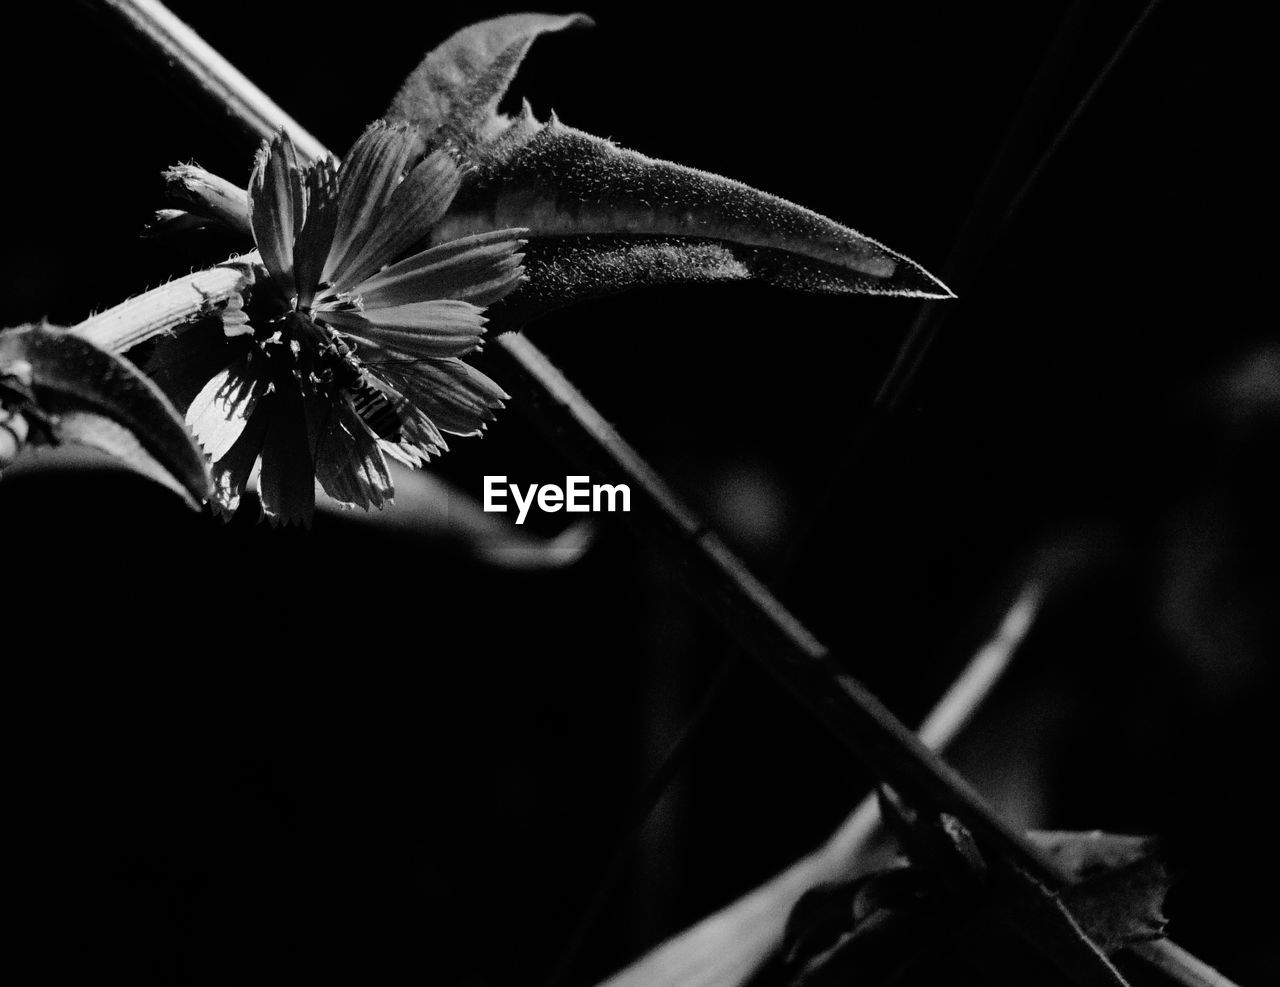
(603, 219)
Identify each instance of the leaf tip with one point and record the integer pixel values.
(913, 280)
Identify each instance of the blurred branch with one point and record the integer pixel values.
(800, 662)
(998, 199)
(988, 217)
(154, 29)
(726, 948)
(784, 646)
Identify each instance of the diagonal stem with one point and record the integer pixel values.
(726, 948)
(782, 645)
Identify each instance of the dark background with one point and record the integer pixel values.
(241, 754)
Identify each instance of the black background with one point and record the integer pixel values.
(242, 754)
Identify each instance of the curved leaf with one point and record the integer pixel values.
(459, 83)
(88, 428)
(99, 399)
(562, 183)
(1121, 884)
(603, 219)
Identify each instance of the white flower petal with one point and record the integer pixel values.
(479, 269)
(422, 329)
(349, 461)
(231, 472)
(419, 439)
(312, 246)
(218, 414)
(287, 482)
(368, 178)
(457, 397)
(414, 208)
(277, 207)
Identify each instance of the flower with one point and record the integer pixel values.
(330, 361)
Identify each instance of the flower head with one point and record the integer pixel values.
(345, 346)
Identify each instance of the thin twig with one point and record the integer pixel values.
(980, 234)
(781, 643)
(784, 646)
(971, 244)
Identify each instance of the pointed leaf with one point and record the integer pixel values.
(84, 386)
(459, 83)
(602, 219)
(563, 184)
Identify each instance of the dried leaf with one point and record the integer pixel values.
(1087, 854)
(1122, 907)
(1044, 920)
(1121, 883)
(99, 399)
(1116, 901)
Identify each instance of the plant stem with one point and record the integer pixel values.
(156, 30)
(726, 948)
(783, 646)
(786, 649)
(165, 308)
